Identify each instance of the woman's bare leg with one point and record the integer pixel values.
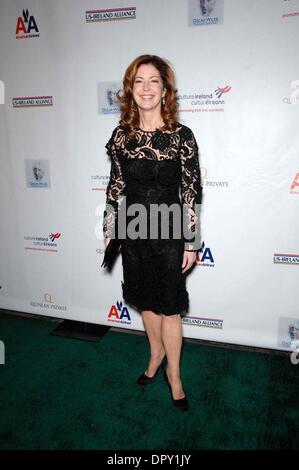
(153, 323)
(172, 341)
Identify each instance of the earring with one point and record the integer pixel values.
(163, 100)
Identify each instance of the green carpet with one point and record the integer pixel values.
(60, 393)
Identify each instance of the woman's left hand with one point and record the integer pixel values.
(189, 258)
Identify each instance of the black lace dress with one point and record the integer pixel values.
(154, 168)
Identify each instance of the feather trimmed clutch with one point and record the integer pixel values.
(110, 253)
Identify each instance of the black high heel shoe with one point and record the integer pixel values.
(181, 403)
(144, 379)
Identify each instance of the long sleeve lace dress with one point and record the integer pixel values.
(155, 169)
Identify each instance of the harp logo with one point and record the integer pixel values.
(54, 236)
(26, 27)
(220, 90)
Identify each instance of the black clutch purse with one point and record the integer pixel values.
(111, 253)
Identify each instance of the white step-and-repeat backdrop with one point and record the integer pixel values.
(237, 72)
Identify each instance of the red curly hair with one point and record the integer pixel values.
(129, 119)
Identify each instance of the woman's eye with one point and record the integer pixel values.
(152, 81)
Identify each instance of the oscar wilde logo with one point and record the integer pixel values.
(119, 313)
(37, 173)
(26, 26)
(107, 99)
(288, 333)
(205, 12)
(206, 7)
(294, 189)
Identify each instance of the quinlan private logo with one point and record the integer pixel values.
(119, 313)
(48, 303)
(294, 189)
(207, 181)
(26, 26)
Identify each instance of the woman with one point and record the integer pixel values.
(152, 157)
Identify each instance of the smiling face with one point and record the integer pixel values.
(148, 87)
